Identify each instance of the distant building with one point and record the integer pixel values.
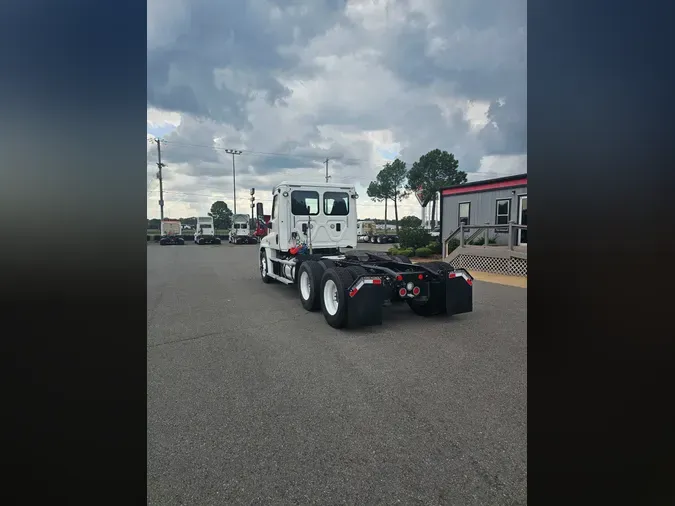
(488, 202)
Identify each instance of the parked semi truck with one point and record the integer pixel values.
(240, 233)
(366, 231)
(205, 232)
(170, 233)
(311, 244)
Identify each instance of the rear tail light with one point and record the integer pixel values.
(377, 281)
(416, 290)
(466, 277)
(402, 292)
(420, 276)
(399, 278)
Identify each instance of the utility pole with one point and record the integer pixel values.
(159, 176)
(327, 176)
(234, 176)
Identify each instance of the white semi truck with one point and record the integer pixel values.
(205, 232)
(170, 233)
(311, 244)
(366, 231)
(241, 232)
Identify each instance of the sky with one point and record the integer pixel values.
(360, 82)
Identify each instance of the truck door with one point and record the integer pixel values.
(273, 232)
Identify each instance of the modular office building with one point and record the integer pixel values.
(488, 202)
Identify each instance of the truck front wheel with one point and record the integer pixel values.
(263, 267)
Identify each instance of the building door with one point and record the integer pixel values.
(522, 219)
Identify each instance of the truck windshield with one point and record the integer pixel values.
(205, 225)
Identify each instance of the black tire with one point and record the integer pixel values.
(326, 263)
(342, 278)
(201, 242)
(356, 271)
(217, 241)
(402, 259)
(263, 267)
(314, 272)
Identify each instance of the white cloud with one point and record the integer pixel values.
(357, 81)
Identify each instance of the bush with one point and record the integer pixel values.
(414, 238)
(453, 244)
(435, 247)
(393, 250)
(423, 252)
(408, 252)
(481, 240)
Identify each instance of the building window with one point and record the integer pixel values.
(336, 204)
(274, 207)
(503, 214)
(304, 203)
(464, 213)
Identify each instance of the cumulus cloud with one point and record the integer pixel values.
(291, 83)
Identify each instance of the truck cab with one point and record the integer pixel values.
(318, 216)
(205, 232)
(240, 232)
(170, 233)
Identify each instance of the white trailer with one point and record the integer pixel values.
(205, 232)
(310, 244)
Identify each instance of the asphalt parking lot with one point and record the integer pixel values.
(253, 400)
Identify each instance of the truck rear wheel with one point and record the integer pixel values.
(439, 266)
(356, 271)
(334, 284)
(309, 283)
(326, 263)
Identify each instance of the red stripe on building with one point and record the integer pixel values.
(487, 186)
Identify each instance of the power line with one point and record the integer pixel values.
(314, 158)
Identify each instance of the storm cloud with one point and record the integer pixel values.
(292, 83)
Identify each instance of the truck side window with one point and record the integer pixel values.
(336, 204)
(274, 207)
(304, 203)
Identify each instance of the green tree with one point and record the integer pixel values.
(392, 182)
(221, 214)
(432, 172)
(378, 194)
(411, 222)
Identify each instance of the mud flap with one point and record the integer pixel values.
(458, 295)
(365, 308)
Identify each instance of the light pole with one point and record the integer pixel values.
(234, 176)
